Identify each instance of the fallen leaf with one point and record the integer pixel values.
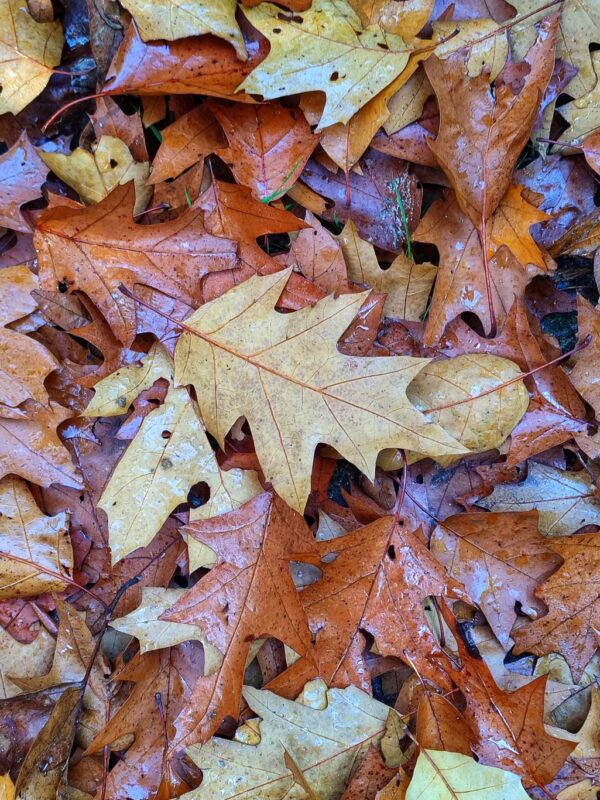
(184, 142)
(188, 66)
(583, 376)
(370, 776)
(97, 249)
(22, 173)
(109, 120)
(454, 776)
(321, 51)
(500, 558)
(571, 625)
(155, 634)
(440, 726)
(43, 773)
(95, 174)
(37, 655)
(481, 423)
(566, 501)
(268, 146)
(248, 595)
(376, 199)
(30, 535)
(320, 257)
(28, 52)
(231, 345)
(7, 788)
(74, 650)
(511, 226)
(305, 733)
(406, 284)
(31, 448)
(163, 681)
(483, 133)
(172, 19)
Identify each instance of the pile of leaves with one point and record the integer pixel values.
(299, 399)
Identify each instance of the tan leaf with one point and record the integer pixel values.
(28, 51)
(342, 401)
(319, 50)
(37, 655)
(27, 533)
(584, 375)
(480, 423)
(565, 500)
(178, 19)
(406, 284)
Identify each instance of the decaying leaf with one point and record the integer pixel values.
(22, 172)
(241, 340)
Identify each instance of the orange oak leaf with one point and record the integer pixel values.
(500, 558)
(248, 595)
(508, 727)
(572, 595)
(441, 726)
(268, 146)
(97, 249)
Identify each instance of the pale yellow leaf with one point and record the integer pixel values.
(115, 393)
(452, 776)
(176, 19)
(484, 50)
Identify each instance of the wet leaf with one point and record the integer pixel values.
(22, 172)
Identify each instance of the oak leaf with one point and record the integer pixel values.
(319, 256)
(32, 536)
(511, 224)
(28, 52)
(566, 500)
(169, 675)
(22, 173)
(508, 727)
(584, 375)
(342, 401)
(482, 132)
(321, 50)
(37, 655)
(95, 174)
(304, 732)
(31, 448)
(74, 650)
(500, 558)
(97, 249)
(370, 776)
(154, 633)
(269, 146)
(454, 776)
(187, 66)
(248, 595)
(184, 142)
(406, 284)
(571, 625)
(25, 363)
(378, 584)
(173, 19)
(448, 390)
(441, 726)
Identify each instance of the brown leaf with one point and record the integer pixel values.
(99, 248)
(508, 726)
(371, 775)
(22, 173)
(268, 146)
(500, 558)
(188, 66)
(571, 625)
(248, 595)
(584, 375)
(185, 142)
(440, 726)
(319, 255)
(482, 132)
(163, 682)
(43, 772)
